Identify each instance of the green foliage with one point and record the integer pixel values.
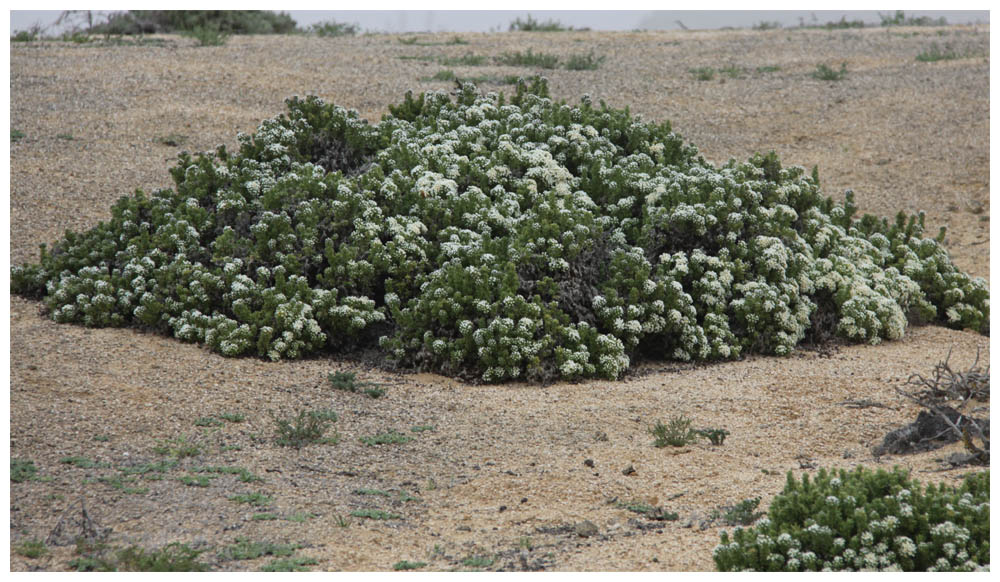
(587, 62)
(899, 18)
(936, 53)
(768, 69)
(207, 36)
(244, 474)
(16, 135)
(376, 514)
(306, 428)
(347, 381)
(676, 433)
(173, 557)
(388, 438)
(22, 470)
(177, 448)
(496, 237)
(650, 511)
(29, 35)
(743, 513)
(244, 549)
(332, 28)
(208, 421)
(232, 416)
(256, 498)
(195, 480)
(703, 73)
(864, 520)
(716, 436)
(528, 59)
(478, 561)
(529, 24)
(293, 564)
(825, 73)
(82, 462)
(407, 565)
(422, 427)
(180, 21)
(31, 549)
(767, 25)
(466, 60)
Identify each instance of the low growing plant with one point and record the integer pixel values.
(376, 514)
(407, 565)
(244, 549)
(388, 438)
(866, 520)
(31, 549)
(497, 237)
(22, 470)
(675, 433)
(716, 436)
(293, 564)
(825, 73)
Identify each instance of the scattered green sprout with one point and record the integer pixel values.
(256, 498)
(293, 564)
(177, 448)
(376, 514)
(825, 73)
(388, 438)
(716, 436)
(31, 549)
(22, 470)
(407, 565)
(244, 549)
(528, 59)
(308, 427)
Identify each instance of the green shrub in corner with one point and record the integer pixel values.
(497, 238)
(864, 520)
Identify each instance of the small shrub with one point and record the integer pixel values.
(716, 436)
(676, 433)
(16, 135)
(22, 470)
(703, 73)
(332, 28)
(825, 73)
(306, 428)
(208, 36)
(293, 564)
(529, 24)
(177, 448)
(478, 562)
(29, 35)
(389, 438)
(649, 511)
(264, 517)
(865, 520)
(444, 75)
(31, 549)
(195, 480)
(587, 62)
(208, 421)
(407, 565)
(743, 513)
(233, 416)
(376, 514)
(936, 53)
(899, 18)
(174, 557)
(528, 59)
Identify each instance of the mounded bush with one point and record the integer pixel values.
(864, 520)
(496, 239)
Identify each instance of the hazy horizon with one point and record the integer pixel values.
(397, 21)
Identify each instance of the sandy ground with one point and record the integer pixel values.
(507, 474)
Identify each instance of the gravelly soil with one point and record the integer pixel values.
(502, 474)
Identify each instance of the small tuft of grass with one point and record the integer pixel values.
(177, 448)
(703, 73)
(825, 73)
(16, 135)
(333, 29)
(388, 438)
(529, 24)
(732, 71)
(83, 463)
(173, 140)
(528, 59)
(478, 562)
(372, 492)
(466, 60)
(32, 549)
(196, 480)
(376, 514)
(206, 421)
(264, 517)
(768, 69)
(300, 517)
(587, 62)
(649, 511)
(407, 565)
(676, 433)
(256, 499)
(244, 474)
(936, 53)
(244, 549)
(442, 75)
(232, 417)
(119, 483)
(205, 36)
(293, 564)
(423, 428)
(347, 381)
(307, 428)
(171, 558)
(102, 438)
(147, 468)
(22, 470)
(65, 136)
(716, 436)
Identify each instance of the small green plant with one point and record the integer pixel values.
(388, 438)
(196, 480)
(743, 513)
(77, 37)
(31, 549)
(768, 69)
(65, 136)
(675, 433)
(293, 564)
(405, 497)
(587, 62)
(120, 483)
(528, 59)
(29, 35)
(936, 53)
(650, 511)
(332, 29)
(206, 36)
(372, 492)
(83, 463)
(244, 549)
(865, 520)
(306, 428)
(423, 428)
(767, 25)
(177, 448)
(376, 514)
(256, 498)
(301, 517)
(525, 544)
(703, 73)
(407, 565)
(733, 72)
(102, 438)
(208, 421)
(174, 557)
(443, 75)
(16, 135)
(716, 436)
(148, 468)
(467, 60)
(22, 470)
(899, 18)
(341, 521)
(234, 417)
(244, 474)
(825, 73)
(264, 517)
(478, 562)
(348, 382)
(529, 24)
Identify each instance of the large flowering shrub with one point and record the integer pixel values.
(864, 520)
(496, 239)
